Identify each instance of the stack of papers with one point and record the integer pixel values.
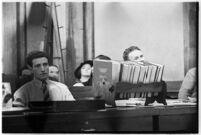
(141, 101)
(179, 102)
(130, 102)
(173, 102)
(14, 110)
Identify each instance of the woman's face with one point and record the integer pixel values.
(136, 55)
(86, 70)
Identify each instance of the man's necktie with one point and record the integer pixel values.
(45, 91)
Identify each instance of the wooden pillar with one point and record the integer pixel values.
(35, 22)
(72, 40)
(48, 30)
(88, 32)
(190, 10)
(9, 51)
(21, 35)
(77, 39)
(80, 38)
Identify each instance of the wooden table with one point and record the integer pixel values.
(110, 120)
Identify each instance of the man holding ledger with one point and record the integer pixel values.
(40, 88)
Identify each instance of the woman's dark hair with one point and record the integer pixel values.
(103, 57)
(128, 50)
(33, 55)
(77, 72)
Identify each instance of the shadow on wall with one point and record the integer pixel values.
(36, 20)
(37, 13)
(30, 31)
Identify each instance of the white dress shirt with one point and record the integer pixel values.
(32, 91)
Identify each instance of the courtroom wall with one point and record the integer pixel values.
(157, 28)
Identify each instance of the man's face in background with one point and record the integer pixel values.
(136, 55)
(54, 73)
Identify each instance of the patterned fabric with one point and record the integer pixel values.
(45, 91)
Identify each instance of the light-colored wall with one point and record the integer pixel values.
(157, 28)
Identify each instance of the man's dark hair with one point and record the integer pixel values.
(34, 55)
(128, 50)
(103, 57)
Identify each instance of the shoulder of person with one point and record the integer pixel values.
(26, 85)
(23, 88)
(191, 72)
(58, 83)
(78, 84)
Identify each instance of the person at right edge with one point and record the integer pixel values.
(188, 90)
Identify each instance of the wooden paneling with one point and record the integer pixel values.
(9, 50)
(74, 40)
(35, 22)
(178, 123)
(79, 37)
(21, 35)
(89, 29)
(130, 124)
(77, 28)
(121, 119)
(182, 119)
(23, 32)
(190, 17)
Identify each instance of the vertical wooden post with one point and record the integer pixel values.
(9, 50)
(21, 35)
(190, 10)
(85, 43)
(88, 29)
(48, 28)
(57, 37)
(70, 49)
(18, 36)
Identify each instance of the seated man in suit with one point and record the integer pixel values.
(40, 88)
(188, 88)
